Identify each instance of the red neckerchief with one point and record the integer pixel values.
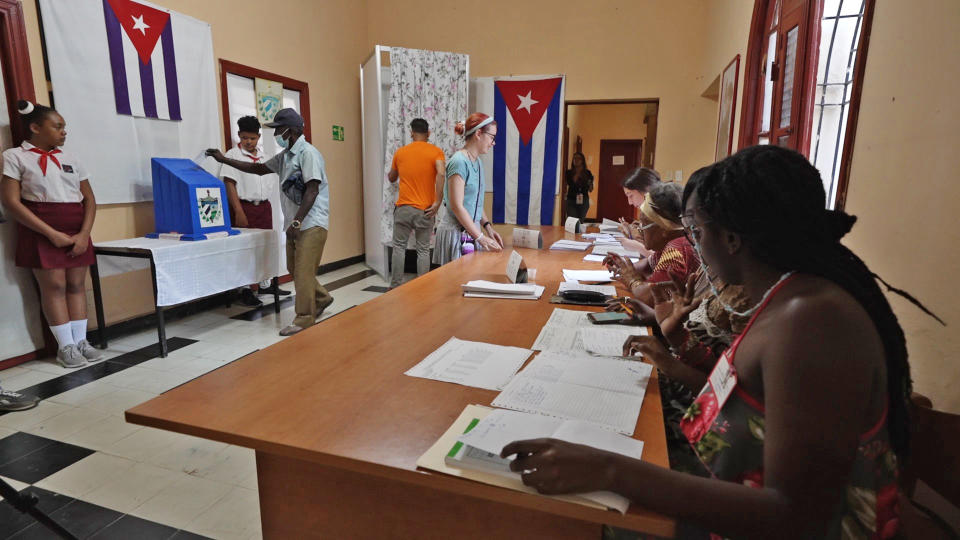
(43, 158)
(244, 152)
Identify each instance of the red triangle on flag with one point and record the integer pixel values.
(527, 101)
(143, 25)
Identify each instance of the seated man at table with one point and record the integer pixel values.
(249, 194)
(306, 211)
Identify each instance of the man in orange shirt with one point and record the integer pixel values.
(420, 168)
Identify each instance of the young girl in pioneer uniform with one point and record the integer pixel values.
(47, 191)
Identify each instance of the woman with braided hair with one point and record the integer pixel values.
(804, 417)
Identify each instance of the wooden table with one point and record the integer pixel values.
(337, 427)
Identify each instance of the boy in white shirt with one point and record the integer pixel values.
(248, 194)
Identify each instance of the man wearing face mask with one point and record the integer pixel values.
(306, 211)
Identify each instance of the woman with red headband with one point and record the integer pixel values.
(48, 192)
(462, 219)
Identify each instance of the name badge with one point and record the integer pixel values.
(579, 198)
(67, 168)
(723, 379)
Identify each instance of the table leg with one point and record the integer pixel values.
(98, 306)
(303, 499)
(275, 283)
(161, 328)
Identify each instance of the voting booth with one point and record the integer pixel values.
(188, 202)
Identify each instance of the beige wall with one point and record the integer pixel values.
(903, 185)
(596, 122)
(609, 50)
(323, 45)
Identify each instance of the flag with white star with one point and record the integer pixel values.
(142, 60)
(526, 156)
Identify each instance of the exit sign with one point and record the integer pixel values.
(338, 133)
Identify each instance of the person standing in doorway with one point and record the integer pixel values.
(419, 166)
(306, 211)
(579, 185)
(249, 194)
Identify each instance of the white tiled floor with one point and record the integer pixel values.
(205, 487)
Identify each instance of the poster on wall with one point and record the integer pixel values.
(269, 99)
(134, 81)
(728, 108)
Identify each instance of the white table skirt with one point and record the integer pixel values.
(190, 270)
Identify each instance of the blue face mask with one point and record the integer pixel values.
(281, 142)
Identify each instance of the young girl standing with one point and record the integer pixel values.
(48, 192)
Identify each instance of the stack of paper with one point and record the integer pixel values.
(570, 245)
(510, 291)
(599, 276)
(479, 448)
(590, 257)
(607, 392)
(608, 290)
(618, 249)
(609, 225)
(569, 330)
(471, 363)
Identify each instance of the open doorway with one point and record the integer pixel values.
(614, 137)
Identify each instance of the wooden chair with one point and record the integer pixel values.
(934, 459)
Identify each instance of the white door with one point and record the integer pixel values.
(372, 112)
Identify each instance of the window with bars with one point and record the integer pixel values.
(840, 29)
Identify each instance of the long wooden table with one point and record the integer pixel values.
(337, 427)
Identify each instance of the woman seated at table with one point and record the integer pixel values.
(803, 423)
(671, 258)
(636, 185)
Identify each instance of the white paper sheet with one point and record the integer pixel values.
(587, 275)
(481, 286)
(618, 249)
(535, 295)
(570, 245)
(608, 290)
(604, 391)
(471, 363)
(591, 257)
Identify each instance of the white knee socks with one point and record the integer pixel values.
(64, 335)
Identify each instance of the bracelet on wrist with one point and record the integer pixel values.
(477, 239)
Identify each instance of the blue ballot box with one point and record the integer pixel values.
(188, 202)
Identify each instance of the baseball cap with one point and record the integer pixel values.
(286, 118)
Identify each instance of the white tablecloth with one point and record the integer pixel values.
(190, 270)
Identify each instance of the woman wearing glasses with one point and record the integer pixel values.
(805, 420)
(463, 223)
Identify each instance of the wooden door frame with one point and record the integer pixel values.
(226, 66)
(566, 144)
(639, 142)
(15, 57)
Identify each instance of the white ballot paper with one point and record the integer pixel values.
(587, 275)
(607, 392)
(471, 363)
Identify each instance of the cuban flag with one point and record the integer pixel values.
(142, 60)
(524, 171)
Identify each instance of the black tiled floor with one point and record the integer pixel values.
(81, 518)
(130, 527)
(43, 461)
(352, 278)
(256, 314)
(18, 445)
(12, 521)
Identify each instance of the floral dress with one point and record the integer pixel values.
(731, 448)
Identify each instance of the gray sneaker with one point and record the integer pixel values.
(89, 352)
(14, 401)
(69, 357)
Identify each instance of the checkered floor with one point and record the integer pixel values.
(101, 477)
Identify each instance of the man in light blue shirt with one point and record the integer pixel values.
(306, 212)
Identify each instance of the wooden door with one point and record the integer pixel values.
(617, 159)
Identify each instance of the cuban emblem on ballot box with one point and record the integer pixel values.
(188, 202)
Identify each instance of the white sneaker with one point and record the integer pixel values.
(89, 352)
(69, 357)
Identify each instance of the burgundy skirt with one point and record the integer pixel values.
(259, 216)
(34, 250)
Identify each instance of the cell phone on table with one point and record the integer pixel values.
(608, 317)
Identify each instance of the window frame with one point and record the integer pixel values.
(234, 68)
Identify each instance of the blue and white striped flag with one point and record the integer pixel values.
(525, 167)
